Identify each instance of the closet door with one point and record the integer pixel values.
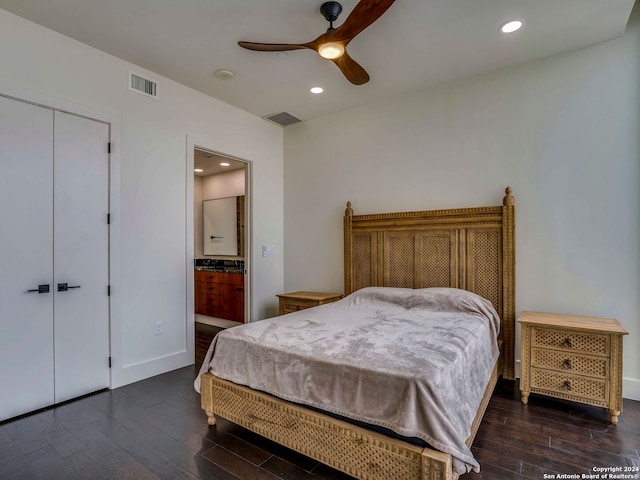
(26, 231)
(81, 256)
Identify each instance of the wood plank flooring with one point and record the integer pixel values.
(154, 429)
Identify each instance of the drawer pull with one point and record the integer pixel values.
(567, 343)
(566, 364)
(566, 385)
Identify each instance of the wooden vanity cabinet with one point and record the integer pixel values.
(220, 294)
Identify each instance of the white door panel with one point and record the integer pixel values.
(81, 315)
(26, 229)
(54, 180)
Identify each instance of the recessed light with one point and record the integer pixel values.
(511, 26)
(224, 164)
(224, 74)
(198, 170)
(316, 90)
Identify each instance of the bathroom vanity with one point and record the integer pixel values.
(219, 293)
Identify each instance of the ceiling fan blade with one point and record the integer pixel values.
(272, 47)
(363, 14)
(351, 69)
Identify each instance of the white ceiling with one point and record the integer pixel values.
(210, 163)
(416, 43)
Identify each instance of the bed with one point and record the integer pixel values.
(391, 260)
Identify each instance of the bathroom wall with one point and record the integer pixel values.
(221, 185)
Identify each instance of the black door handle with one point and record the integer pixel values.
(63, 287)
(40, 289)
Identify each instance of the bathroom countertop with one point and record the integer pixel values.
(219, 269)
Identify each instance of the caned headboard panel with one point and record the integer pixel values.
(468, 248)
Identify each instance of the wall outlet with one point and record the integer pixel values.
(268, 250)
(157, 328)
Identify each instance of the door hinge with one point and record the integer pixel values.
(109, 362)
(108, 290)
(108, 219)
(109, 147)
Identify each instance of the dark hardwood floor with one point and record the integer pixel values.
(155, 429)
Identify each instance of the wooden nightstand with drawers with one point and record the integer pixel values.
(294, 301)
(572, 357)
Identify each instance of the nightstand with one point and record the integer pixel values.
(294, 301)
(572, 357)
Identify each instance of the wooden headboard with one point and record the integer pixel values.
(468, 248)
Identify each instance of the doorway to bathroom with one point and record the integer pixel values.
(218, 289)
(220, 239)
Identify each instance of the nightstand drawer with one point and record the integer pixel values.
(295, 301)
(574, 385)
(288, 307)
(570, 362)
(570, 341)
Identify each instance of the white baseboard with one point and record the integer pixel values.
(150, 368)
(631, 388)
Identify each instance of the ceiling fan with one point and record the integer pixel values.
(332, 44)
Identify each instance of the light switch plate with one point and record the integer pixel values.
(268, 250)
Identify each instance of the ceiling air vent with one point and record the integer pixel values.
(282, 118)
(143, 85)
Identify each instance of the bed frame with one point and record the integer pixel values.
(468, 248)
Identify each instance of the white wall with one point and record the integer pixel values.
(563, 132)
(149, 262)
(229, 184)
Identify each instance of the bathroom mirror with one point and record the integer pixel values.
(223, 226)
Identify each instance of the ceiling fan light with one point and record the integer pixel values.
(331, 50)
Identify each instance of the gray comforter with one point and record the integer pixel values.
(416, 362)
